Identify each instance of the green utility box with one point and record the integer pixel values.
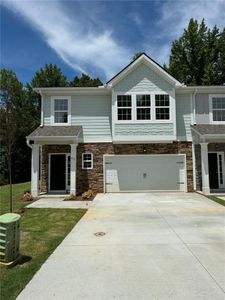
(9, 237)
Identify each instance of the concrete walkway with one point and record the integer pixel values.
(156, 246)
(57, 202)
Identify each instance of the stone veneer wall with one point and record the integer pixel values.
(46, 149)
(212, 147)
(93, 178)
(198, 167)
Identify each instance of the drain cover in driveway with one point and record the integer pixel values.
(99, 233)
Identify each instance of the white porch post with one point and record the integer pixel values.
(35, 170)
(205, 168)
(73, 166)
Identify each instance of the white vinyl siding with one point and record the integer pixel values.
(142, 79)
(93, 113)
(47, 110)
(147, 129)
(184, 116)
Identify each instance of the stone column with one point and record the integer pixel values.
(35, 170)
(205, 168)
(73, 166)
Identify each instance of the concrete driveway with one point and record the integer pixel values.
(156, 246)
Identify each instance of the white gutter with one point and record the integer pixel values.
(28, 143)
(42, 113)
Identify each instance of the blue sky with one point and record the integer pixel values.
(95, 37)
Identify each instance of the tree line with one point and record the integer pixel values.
(20, 115)
(197, 58)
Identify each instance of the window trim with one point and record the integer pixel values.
(134, 107)
(211, 96)
(89, 160)
(53, 98)
(124, 107)
(143, 107)
(162, 107)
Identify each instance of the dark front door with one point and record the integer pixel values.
(213, 171)
(58, 172)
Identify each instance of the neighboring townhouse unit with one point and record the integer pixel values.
(142, 131)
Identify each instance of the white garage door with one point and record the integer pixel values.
(127, 173)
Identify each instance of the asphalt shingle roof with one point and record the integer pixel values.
(46, 131)
(204, 129)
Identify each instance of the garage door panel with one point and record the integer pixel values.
(144, 173)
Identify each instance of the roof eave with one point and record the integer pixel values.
(144, 58)
(72, 90)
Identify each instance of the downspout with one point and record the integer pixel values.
(28, 143)
(194, 105)
(193, 145)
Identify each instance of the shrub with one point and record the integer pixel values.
(26, 191)
(87, 195)
(70, 197)
(27, 197)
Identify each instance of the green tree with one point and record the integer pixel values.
(10, 99)
(85, 81)
(49, 76)
(221, 57)
(196, 56)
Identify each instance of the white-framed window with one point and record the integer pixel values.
(124, 107)
(143, 107)
(60, 107)
(217, 108)
(162, 107)
(87, 160)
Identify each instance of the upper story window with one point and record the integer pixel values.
(143, 107)
(124, 107)
(217, 108)
(162, 107)
(60, 109)
(143, 104)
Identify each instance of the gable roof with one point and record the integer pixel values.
(144, 58)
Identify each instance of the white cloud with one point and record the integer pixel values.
(175, 16)
(136, 18)
(77, 43)
(80, 37)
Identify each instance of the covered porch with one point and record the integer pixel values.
(209, 151)
(60, 161)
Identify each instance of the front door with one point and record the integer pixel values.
(216, 170)
(57, 172)
(213, 171)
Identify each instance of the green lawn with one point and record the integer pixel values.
(217, 199)
(18, 190)
(42, 230)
